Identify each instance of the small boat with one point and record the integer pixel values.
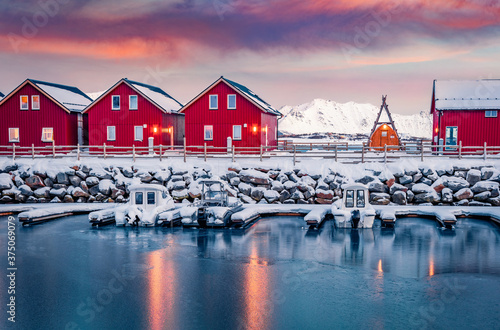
(147, 201)
(355, 211)
(215, 206)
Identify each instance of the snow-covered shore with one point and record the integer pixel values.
(435, 182)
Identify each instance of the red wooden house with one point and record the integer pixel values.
(466, 111)
(39, 113)
(133, 113)
(228, 109)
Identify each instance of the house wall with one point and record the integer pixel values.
(101, 115)
(473, 127)
(30, 122)
(198, 115)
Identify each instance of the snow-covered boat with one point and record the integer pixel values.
(147, 201)
(355, 211)
(214, 208)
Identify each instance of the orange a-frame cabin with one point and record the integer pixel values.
(385, 134)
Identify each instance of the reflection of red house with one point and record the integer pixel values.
(39, 113)
(129, 113)
(227, 109)
(466, 111)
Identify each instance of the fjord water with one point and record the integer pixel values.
(274, 275)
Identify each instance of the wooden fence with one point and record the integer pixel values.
(338, 152)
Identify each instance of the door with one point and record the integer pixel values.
(451, 136)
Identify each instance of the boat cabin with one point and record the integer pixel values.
(355, 196)
(148, 196)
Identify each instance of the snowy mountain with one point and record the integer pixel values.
(321, 116)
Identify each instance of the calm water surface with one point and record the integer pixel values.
(275, 275)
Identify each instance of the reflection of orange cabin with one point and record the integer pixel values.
(384, 135)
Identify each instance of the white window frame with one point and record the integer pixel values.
(44, 133)
(113, 103)
(18, 137)
(130, 102)
(108, 135)
(216, 101)
(33, 102)
(241, 133)
(210, 127)
(135, 133)
(229, 107)
(27, 102)
(491, 114)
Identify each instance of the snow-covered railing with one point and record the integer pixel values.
(339, 152)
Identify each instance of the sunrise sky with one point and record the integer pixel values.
(287, 51)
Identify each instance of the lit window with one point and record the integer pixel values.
(231, 101)
(138, 133)
(115, 102)
(237, 132)
(491, 114)
(35, 102)
(132, 102)
(13, 134)
(24, 102)
(384, 133)
(47, 134)
(151, 198)
(214, 102)
(111, 133)
(138, 198)
(209, 133)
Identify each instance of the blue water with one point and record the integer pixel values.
(275, 275)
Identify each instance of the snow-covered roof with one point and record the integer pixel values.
(70, 97)
(154, 94)
(467, 94)
(157, 95)
(242, 90)
(254, 97)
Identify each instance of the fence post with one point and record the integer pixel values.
(336, 159)
(184, 149)
(133, 153)
(78, 151)
(205, 152)
(53, 149)
(460, 150)
(33, 151)
(363, 153)
(485, 151)
(421, 150)
(232, 153)
(294, 153)
(385, 153)
(261, 152)
(161, 152)
(104, 150)
(14, 151)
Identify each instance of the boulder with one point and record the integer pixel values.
(58, 192)
(100, 174)
(323, 201)
(365, 179)
(483, 186)
(425, 181)
(255, 177)
(482, 197)
(20, 198)
(487, 173)
(296, 195)
(245, 188)
(447, 195)
(495, 201)
(399, 197)
(91, 181)
(234, 181)
(380, 198)
(62, 178)
(376, 186)
(409, 196)
(277, 186)
(247, 199)
(94, 190)
(284, 195)
(460, 174)
(416, 177)
(55, 200)
(105, 187)
(271, 196)
(309, 193)
(18, 181)
(163, 175)
(455, 183)
(421, 188)
(42, 192)
(34, 182)
(82, 175)
(6, 199)
(438, 185)
(128, 172)
(405, 179)
(308, 181)
(473, 177)
(48, 182)
(464, 193)
(257, 193)
(115, 192)
(179, 185)
(68, 199)
(25, 190)
(324, 194)
(146, 177)
(289, 201)
(75, 180)
(78, 192)
(426, 197)
(397, 187)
